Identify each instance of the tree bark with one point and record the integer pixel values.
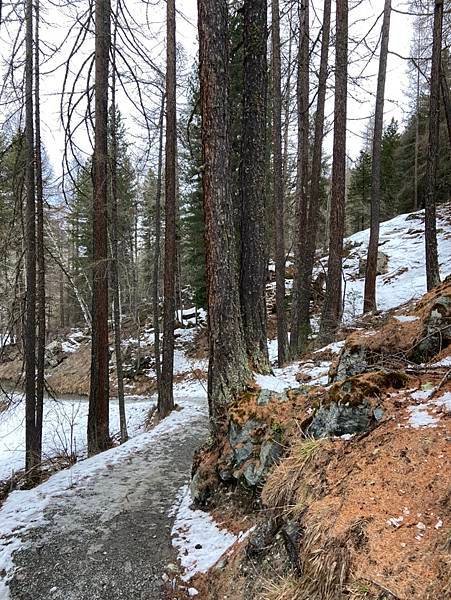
(31, 438)
(156, 260)
(254, 241)
(369, 300)
(279, 202)
(228, 370)
(446, 102)
(115, 255)
(165, 396)
(430, 227)
(330, 315)
(301, 176)
(315, 186)
(40, 379)
(98, 416)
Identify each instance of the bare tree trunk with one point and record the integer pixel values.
(115, 254)
(446, 102)
(31, 438)
(430, 227)
(156, 260)
(302, 175)
(40, 381)
(279, 211)
(315, 186)
(417, 143)
(62, 300)
(254, 239)
(286, 108)
(330, 315)
(98, 417)
(369, 300)
(228, 370)
(166, 396)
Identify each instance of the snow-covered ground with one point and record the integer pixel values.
(64, 428)
(402, 240)
(199, 540)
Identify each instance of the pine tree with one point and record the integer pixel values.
(254, 240)
(98, 417)
(192, 220)
(358, 198)
(390, 173)
(227, 370)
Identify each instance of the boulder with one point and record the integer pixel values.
(382, 264)
(337, 419)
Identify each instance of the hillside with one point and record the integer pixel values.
(330, 480)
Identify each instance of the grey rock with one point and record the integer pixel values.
(382, 264)
(242, 453)
(338, 419)
(351, 362)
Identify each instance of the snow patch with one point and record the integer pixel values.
(406, 318)
(198, 539)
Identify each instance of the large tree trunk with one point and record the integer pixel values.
(31, 437)
(302, 175)
(115, 255)
(279, 211)
(369, 300)
(432, 266)
(98, 417)
(254, 241)
(156, 260)
(39, 251)
(165, 395)
(306, 270)
(330, 315)
(227, 371)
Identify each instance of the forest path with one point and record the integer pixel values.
(110, 538)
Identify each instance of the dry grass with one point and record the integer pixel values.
(282, 588)
(325, 571)
(285, 488)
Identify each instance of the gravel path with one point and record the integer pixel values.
(111, 540)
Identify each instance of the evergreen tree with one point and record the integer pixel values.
(192, 222)
(358, 203)
(390, 174)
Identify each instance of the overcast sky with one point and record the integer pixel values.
(361, 101)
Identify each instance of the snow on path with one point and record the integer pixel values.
(65, 538)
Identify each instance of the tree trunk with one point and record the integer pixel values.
(227, 371)
(305, 293)
(330, 315)
(115, 254)
(302, 175)
(39, 251)
(98, 417)
(254, 239)
(430, 228)
(279, 211)
(369, 300)
(31, 438)
(156, 260)
(166, 396)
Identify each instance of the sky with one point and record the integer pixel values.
(148, 23)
